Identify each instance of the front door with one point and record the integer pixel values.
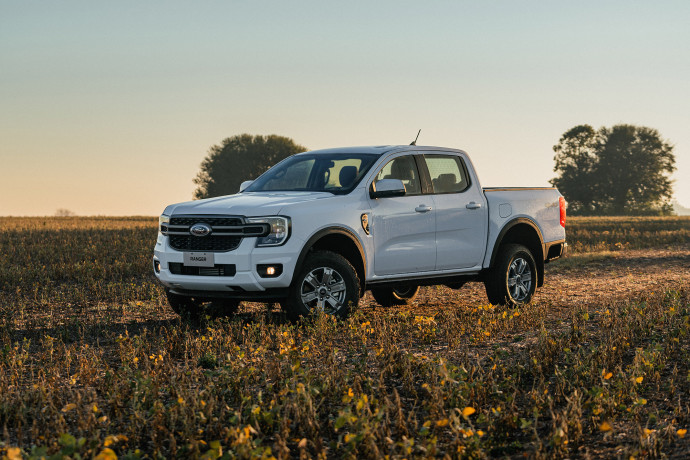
(403, 227)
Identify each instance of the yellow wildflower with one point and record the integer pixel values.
(467, 411)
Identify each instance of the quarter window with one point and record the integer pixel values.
(446, 173)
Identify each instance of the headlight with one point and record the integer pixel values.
(163, 222)
(279, 233)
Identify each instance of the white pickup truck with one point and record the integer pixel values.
(320, 228)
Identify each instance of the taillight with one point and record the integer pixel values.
(561, 203)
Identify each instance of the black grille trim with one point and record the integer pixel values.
(211, 220)
(177, 268)
(210, 243)
(226, 232)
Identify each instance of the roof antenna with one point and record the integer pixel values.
(414, 142)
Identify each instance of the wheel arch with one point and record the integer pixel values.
(523, 231)
(342, 241)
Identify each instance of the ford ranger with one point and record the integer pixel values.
(320, 228)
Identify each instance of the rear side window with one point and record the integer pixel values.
(405, 169)
(446, 173)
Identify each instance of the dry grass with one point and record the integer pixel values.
(92, 360)
(587, 234)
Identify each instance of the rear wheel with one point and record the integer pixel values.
(401, 295)
(193, 309)
(513, 279)
(326, 282)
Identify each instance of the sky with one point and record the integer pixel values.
(108, 108)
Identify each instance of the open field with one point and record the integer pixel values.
(588, 234)
(94, 362)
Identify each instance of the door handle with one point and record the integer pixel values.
(473, 205)
(423, 208)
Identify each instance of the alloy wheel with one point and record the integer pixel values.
(519, 279)
(323, 289)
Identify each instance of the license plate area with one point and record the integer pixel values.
(198, 259)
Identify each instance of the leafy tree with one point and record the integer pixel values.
(633, 166)
(239, 158)
(614, 171)
(576, 157)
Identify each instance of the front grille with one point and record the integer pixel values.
(226, 232)
(212, 221)
(177, 268)
(211, 243)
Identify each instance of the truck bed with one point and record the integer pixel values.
(537, 204)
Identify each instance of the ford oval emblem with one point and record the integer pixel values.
(200, 229)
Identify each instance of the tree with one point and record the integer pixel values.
(62, 212)
(633, 166)
(239, 158)
(576, 157)
(614, 171)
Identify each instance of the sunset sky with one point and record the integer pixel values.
(109, 107)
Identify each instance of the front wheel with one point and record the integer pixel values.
(513, 279)
(402, 295)
(326, 282)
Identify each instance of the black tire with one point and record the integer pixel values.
(512, 281)
(326, 281)
(193, 309)
(402, 295)
(456, 285)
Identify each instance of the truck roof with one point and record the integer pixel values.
(378, 149)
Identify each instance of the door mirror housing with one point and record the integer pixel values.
(387, 188)
(245, 184)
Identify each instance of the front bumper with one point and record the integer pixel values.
(246, 278)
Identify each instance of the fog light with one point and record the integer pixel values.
(269, 270)
(156, 266)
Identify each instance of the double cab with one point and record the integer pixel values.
(320, 228)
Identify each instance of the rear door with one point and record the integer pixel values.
(460, 209)
(403, 227)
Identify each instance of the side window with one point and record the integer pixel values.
(405, 169)
(446, 173)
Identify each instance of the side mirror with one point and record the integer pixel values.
(387, 188)
(245, 184)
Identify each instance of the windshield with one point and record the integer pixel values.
(334, 173)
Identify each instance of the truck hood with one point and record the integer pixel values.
(251, 204)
